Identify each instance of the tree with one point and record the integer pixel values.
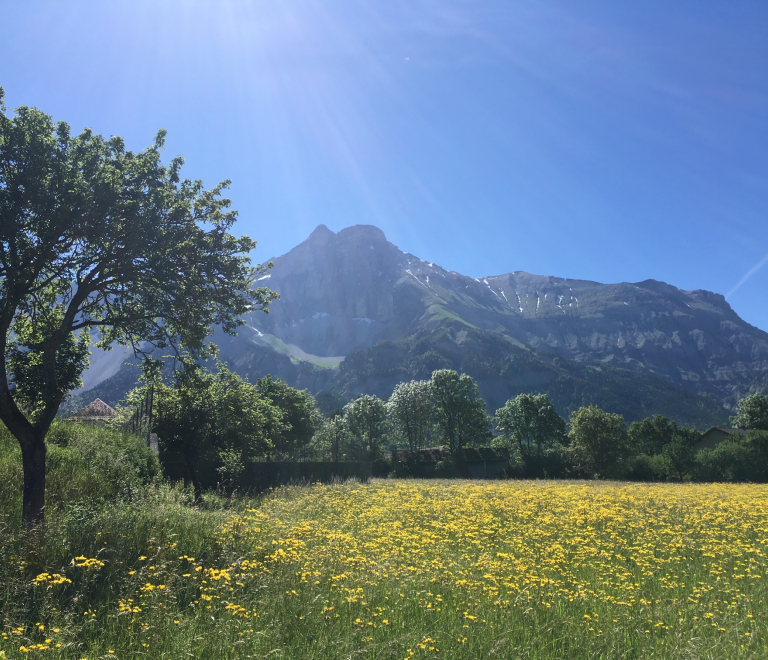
(202, 417)
(752, 413)
(333, 439)
(96, 237)
(301, 418)
(757, 441)
(409, 410)
(598, 441)
(652, 434)
(530, 420)
(366, 418)
(459, 409)
(678, 456)
(329, 403)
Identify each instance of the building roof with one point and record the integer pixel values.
(725, 430)
(714, 436)
(96, 409)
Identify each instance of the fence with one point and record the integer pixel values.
(470, 463)
(264, 475)
(259, 476)
(140, 423)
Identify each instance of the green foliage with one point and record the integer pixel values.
(598, 442)
(366, 419)
(96, 237)
(202, 414)
(678, 456)
(752, 413)
(530, 421)
(446, 469)
(300, 416)
(729, 461)
(329, 402)
(652, 434)
(645, 467)
(459, 409)
(410, 411)
(87, 466)
(334, 441)
(36, 321)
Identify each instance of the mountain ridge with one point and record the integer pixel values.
(345, 293)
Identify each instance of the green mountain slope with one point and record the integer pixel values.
(358, 314)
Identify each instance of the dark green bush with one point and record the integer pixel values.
(729, 461)
(643, 467)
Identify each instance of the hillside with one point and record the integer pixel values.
(357, 314)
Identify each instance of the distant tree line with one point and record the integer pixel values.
(216, 417)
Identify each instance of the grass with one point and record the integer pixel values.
(390, 569)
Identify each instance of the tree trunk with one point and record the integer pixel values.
(198, 488)
(191, 475)
(33, 461)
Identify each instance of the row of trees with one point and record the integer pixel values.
(599, 444)
(206, 417)
(217, 417)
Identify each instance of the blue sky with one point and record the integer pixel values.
(606, 141)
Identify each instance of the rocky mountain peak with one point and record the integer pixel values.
(351, 289)
(321, 235)
(363, 233)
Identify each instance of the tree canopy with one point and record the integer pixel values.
(598, 442)
(531, 420)
(366, 419)
(409, 408)
(95, 237)
(301, 418)
(205, 417)
(752, 413)
(459, 409)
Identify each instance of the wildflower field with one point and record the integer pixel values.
(402, 569)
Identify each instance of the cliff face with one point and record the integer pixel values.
(357, 315)
(350, 290)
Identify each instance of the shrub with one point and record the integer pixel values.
(729, 461)
(643, 467)
(85, 465)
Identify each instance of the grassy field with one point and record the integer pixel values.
(398, 569)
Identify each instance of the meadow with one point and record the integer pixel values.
(391, 569)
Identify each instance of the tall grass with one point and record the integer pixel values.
(393, 569)
(106, 507)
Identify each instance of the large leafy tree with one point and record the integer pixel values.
(598, 442)
(530, 420)
(94, 237)
(334, 440)
(652, 434)
(409, 408)
(459, 409)
(301, 417)
(202, 416)
(366, 419)
(752, 413)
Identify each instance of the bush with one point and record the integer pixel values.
(551, 463)
(85, 465)
(643, 467)
(729, 461)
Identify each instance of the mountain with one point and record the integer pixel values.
(357, 314)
